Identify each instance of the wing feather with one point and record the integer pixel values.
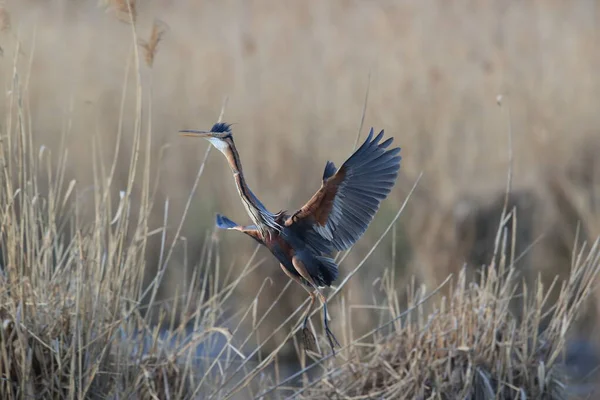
(341, 210)
(223, 222)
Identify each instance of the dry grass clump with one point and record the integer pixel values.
(38, 350)
(562, 205)
(76, 304)
(159, 379)
(69, 282)
(471, 346)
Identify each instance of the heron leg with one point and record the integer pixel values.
(307, 335)
(330, 336)
(313, 297)
(299, 265)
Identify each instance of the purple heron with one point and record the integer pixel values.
(333, 219)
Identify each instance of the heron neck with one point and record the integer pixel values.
(235, 164)
(234, 160)
(256, 210)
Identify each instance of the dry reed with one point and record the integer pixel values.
(470, 348)
(150, 46)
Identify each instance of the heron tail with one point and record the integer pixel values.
(329, 270)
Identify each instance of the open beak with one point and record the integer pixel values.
(200, 134)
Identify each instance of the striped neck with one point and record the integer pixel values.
(262, 218)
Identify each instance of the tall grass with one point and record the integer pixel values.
(77, 319)
(471, 346)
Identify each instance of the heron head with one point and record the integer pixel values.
(219, 135)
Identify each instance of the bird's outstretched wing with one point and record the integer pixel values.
(223, 222)
(340, 211)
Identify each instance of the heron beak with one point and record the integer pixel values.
(200, 134)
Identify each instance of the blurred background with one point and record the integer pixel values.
(451, 81)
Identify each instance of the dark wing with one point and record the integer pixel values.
(341, 210)
(225, 223)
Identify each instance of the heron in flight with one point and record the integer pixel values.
(334, 218)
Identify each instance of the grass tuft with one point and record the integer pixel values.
(471, 346)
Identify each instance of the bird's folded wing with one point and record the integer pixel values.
(340, 211)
